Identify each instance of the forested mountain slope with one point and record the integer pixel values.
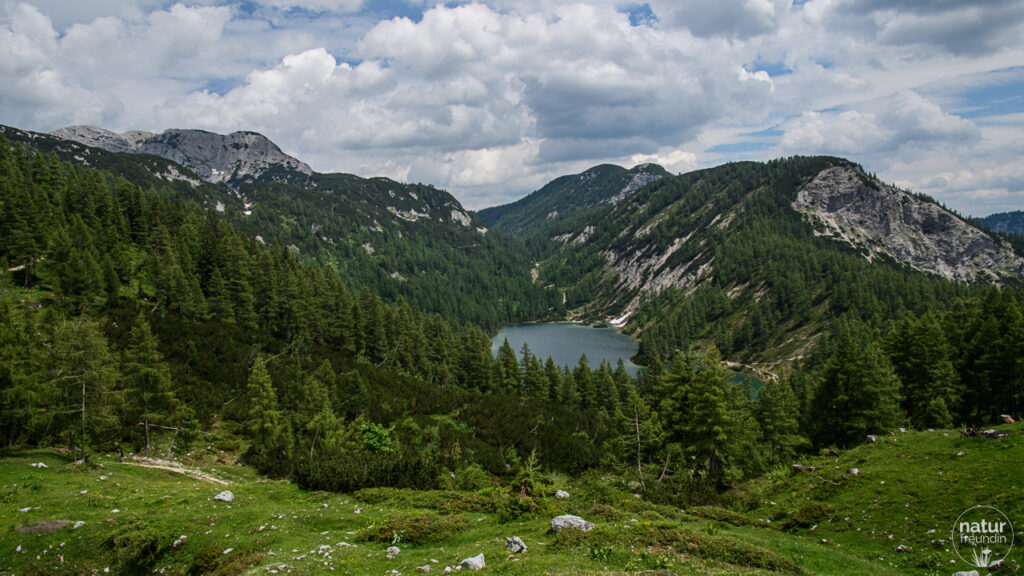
(407, 240)
(565, 197)
(1011, 222)
(759, 257)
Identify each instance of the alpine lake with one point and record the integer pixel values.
(566, 342)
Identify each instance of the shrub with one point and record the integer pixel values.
(137, 546)
(810, 514)
(419, 529)
(212, 561)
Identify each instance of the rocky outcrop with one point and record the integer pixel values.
(559, 523)
(845, 204)
(214, 157)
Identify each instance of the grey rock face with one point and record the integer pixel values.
(569, 521)
(225, 496)
(214, 157)
(882, 220)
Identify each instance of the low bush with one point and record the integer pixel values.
(418, 529)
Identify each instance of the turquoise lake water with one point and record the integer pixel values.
(566, 342)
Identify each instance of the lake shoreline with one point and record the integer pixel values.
(566, 341)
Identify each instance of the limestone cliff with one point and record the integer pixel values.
(845, 204)
(216, 158)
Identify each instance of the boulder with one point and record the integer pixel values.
(225, 496)
(515, 545)
(561, 494)
(570, 521)
(474, 563)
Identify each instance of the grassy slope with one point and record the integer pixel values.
(908, 484)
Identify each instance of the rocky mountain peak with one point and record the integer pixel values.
(214, 157)
(845, 204)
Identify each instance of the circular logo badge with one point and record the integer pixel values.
(982, 536)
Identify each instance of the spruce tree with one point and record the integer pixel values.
(857, 392)
(779, 415)
(150, 397)
(270, 448)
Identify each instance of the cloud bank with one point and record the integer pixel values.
(493, 99)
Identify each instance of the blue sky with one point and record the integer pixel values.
(492, 99)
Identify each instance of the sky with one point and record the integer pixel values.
(492, 99)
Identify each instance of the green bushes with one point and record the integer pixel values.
(352, 470)
(419, 529)
(137, 546)
(807, 516)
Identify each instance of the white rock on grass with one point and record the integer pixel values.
(424, 568)
(225, 496)
(474, 563)
(971, 573)
(561, 494)
(570, 521)
(515, 545)
(78, 525)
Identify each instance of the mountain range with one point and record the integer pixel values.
(747, 255)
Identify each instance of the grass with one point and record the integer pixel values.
(908, 484)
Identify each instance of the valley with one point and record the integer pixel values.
(325, 343)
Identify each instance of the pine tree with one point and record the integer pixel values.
(857, 392)
(270, 449)
(508, 368)
(586, 389)
(554, 379)
(84, 374)
(921, 358)
(148, 380)
(778, 413)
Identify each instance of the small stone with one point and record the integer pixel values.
(901, 548)
(474, 563)
(854, 471)
(225, 496)
(78, 525)
(38, 465)
(228, 551)
(971, 573)
(26, 509)
(561, 494)
(424, 568)
(872, 438)
(515, 545)
(393, 550)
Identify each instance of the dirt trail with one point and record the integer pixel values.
(159, 464)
